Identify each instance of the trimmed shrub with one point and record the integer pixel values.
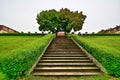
(18, 64)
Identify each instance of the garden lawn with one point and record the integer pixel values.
(9, 43)
(106, 49)
(19, 53)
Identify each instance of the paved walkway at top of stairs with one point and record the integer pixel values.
(64, 58)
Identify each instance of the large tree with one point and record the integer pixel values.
(65, 20)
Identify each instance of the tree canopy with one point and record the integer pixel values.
(63, 20)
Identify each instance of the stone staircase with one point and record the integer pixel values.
(64, 58)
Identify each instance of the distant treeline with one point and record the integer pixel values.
(110, 30)
(99, 34)
(22, 34)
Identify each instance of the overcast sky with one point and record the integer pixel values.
(21, 14)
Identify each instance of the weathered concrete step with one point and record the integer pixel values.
(67, 61)
(62, 41)
(64, 58)
(65, 42)
(73, 45)
(56, 45)
(67, 64)
(65, 73)
(62, 47)
(67, 69)
(64, 55)
(64, 50)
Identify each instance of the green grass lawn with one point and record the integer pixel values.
(9, 43)
(106, 49)
(19, 53)
(105, 43)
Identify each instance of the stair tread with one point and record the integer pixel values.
(65, 64)
(55, 68)
(66, 73)
(65, 60)
(63, 52)
(65, 57)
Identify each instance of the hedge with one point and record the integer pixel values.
(107, 59)
(19, 64)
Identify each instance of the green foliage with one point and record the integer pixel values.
(2, 76)
(65, 20)
(103, 50)
(18, 61)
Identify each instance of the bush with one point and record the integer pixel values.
(107, 59)
(18, 65)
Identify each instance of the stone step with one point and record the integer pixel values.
(67, 61)
(64, 58)
(66, 64)
(68, 42)
(65, 73)
(62, 44)
(64, 50)
(67, 69)
(63, 54)
(56, 45)
(62, 47)
(46, 55)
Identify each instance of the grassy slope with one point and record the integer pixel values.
(9, 43)
(106, 49)
(20, 48)
(107, 43)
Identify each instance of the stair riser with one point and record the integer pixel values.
(65, 61)
(64, 58)
(65, 65)
(63, 48)
(64, 54)
(66, 70)
(66, 75)
(67, 50)
(63, 44)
